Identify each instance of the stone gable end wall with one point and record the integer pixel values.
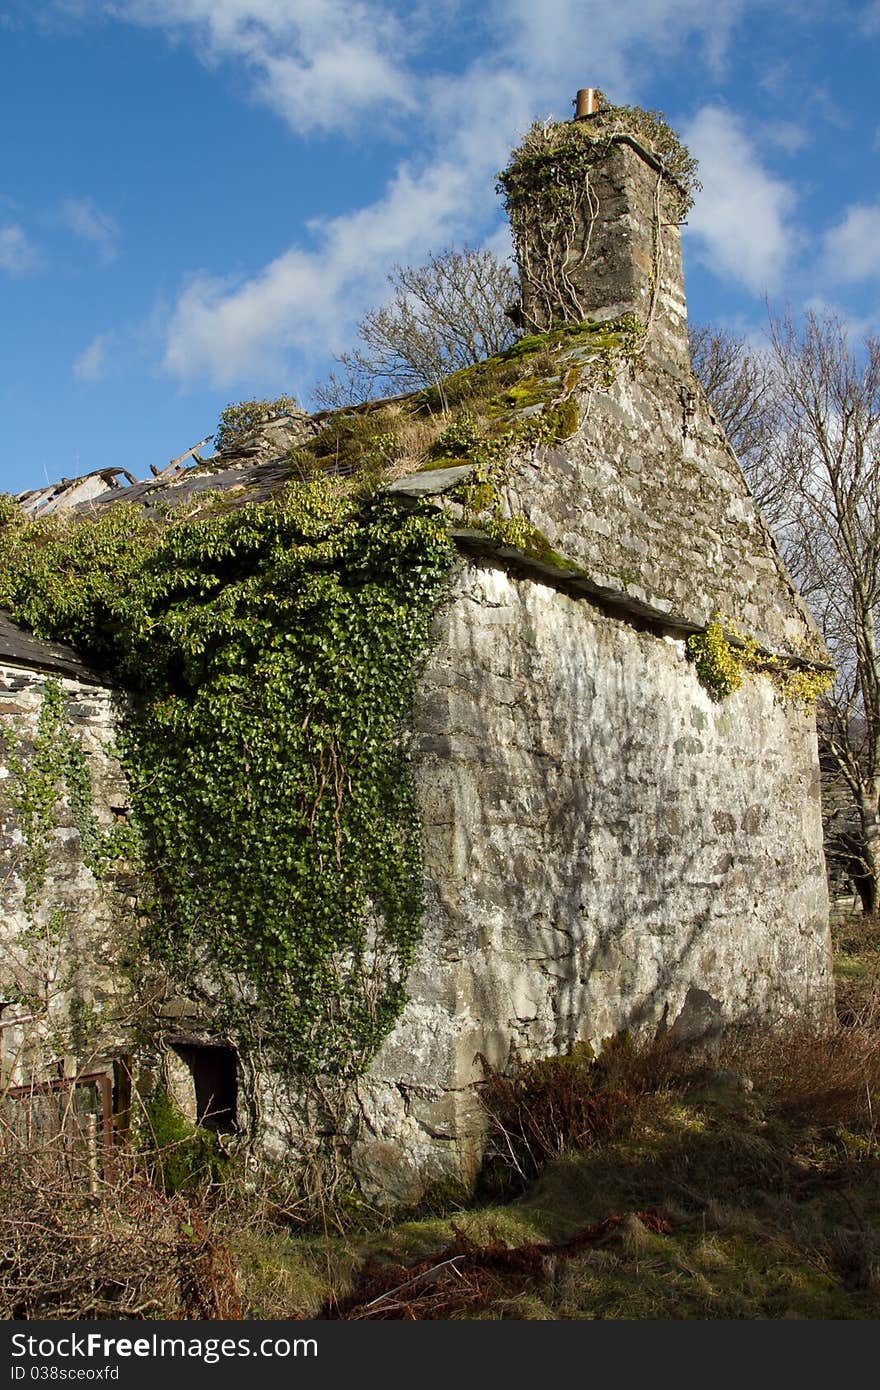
(648, 498)
(607, 849)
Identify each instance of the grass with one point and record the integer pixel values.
(748, 1189)
(381, 441)
(706, 1210)
(856, 965)
(650, 1184)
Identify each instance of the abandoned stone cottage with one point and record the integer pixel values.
(606, 844)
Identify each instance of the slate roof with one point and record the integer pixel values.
(20, 648)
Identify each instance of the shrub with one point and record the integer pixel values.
(557, 1105)
(76, 1244)
(242, 419)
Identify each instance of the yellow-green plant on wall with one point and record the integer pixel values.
(724, 657)
(718, 665)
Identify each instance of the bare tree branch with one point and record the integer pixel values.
(805, 422)
(444, 315)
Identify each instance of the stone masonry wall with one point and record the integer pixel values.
(649, 500)
(624, 252)
(634, 264)
(64, 954)
(606, 849)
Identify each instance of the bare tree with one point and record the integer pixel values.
(826, 454)
(741, 384)
(804, 419)
(443, 315)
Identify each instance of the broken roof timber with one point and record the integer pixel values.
(72, 492)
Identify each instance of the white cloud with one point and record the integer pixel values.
(90, 364)
(500, 243)
(225, 332)
(870, 18)
(332, 88)
(592, 43)
(787, 136)
(321, 64)
(342, 64)
(325, 64)
(857, 326)
(852, 248)
(17, 254)
(82, 217)
(307, 300)
(742, 219)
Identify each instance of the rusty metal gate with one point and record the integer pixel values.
(64, 1127)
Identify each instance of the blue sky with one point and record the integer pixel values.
(199, 198)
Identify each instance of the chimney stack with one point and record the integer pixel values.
(595, 217)
(586, 103)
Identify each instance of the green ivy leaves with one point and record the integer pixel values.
(271, 655)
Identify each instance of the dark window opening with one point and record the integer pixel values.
(215, 1077)
(122, 1088)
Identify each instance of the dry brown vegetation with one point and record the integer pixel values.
(649, 1183)
(73, 1248)
(655, 1184)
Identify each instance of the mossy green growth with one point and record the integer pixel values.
(723, 657)
(563, 419)
(183, 1158)
(522, 534)
(516, 531)
(544, 360)
(271, 655)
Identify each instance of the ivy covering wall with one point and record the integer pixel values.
(270, 654)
